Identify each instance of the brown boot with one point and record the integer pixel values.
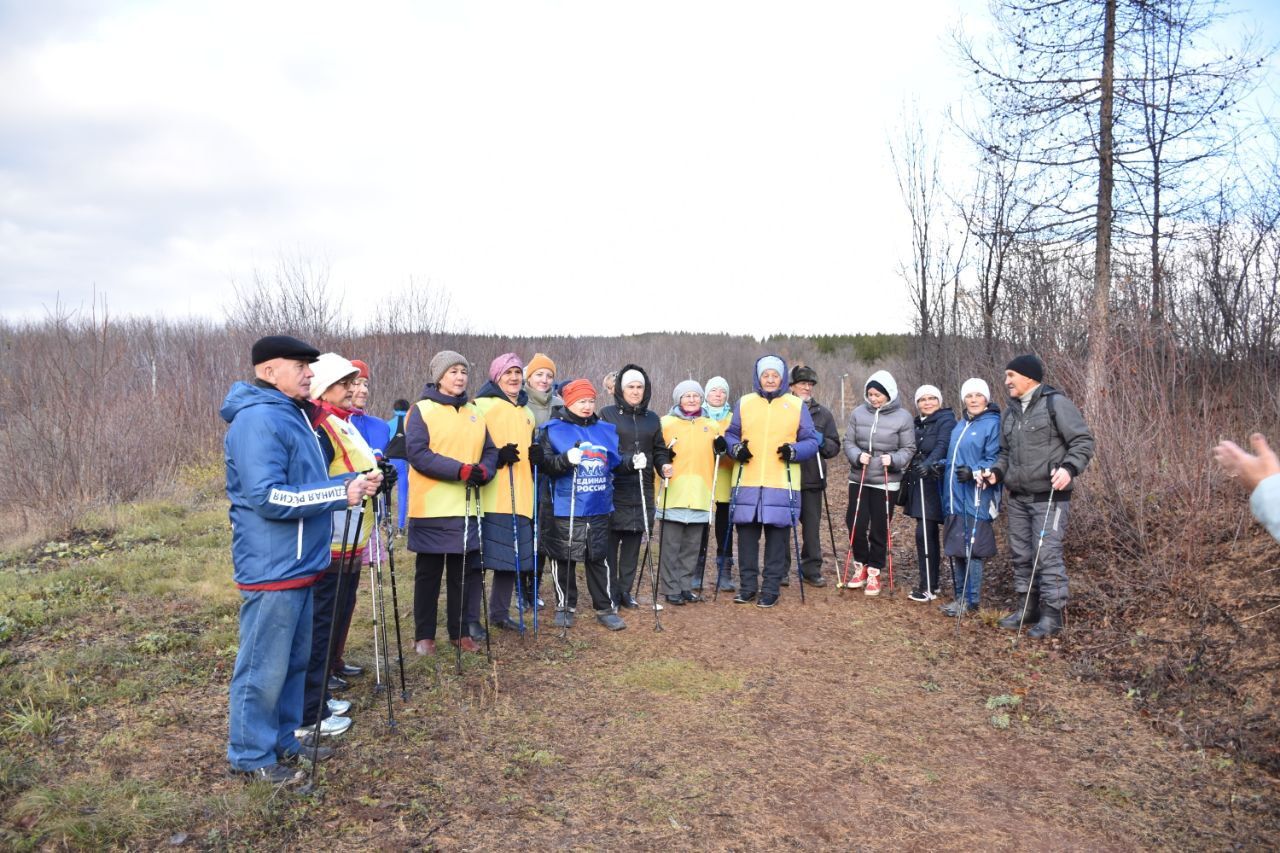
(466, 643)
(425, 647)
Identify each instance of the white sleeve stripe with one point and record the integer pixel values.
(315, 496)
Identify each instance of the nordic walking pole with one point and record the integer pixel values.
(826, 504)
(375, 572)
(888, 529)
(561, 593)
(963, 598)
(395, 605)
(344, 562)
(462, 605)
(381, 512)
(843, 581)
(484, 595)
(795, 535)
(702, 569)
(515, 543)
(644, 517)
(728, 533)
(662, 531)
(924, 528)
(536, 498)
(1031, 583)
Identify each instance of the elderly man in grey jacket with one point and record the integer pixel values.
(1044, 446)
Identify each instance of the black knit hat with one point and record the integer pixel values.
(1028, 365)
(803, 373)
(283, 346)
(876, 385)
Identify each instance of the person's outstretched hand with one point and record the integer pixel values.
(1250, 469)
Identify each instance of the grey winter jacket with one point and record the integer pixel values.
(889, 429)
(1034, 441)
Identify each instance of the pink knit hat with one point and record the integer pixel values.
(503, 363)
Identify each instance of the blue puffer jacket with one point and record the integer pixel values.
(374, 431)
(282, 498)
(975, 444)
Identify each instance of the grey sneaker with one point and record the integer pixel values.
(329, 726)
(563, 619)
(276, 774)
(611, 620)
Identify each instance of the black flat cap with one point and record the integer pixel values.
(283, 346)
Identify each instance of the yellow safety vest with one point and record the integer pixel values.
(695, 461)
(507, 424)
(351, 453)
(456, 433)
(724, 480)
(767, 425)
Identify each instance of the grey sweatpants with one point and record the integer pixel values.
(1026, 519)
(678, 560)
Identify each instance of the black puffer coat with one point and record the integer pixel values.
(639, 431)
(812, 471)
(933, 438)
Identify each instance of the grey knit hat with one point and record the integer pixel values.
(442, 361)
(686, 387)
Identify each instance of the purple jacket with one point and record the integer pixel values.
(441, 535)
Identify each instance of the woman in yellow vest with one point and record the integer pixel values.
(770, 432)
(508, 515)
(715, 405)
(685, 504)
(449, 452)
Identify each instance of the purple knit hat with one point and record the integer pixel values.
(503, 363)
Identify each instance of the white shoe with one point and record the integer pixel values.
(329, 726)
(339, 706)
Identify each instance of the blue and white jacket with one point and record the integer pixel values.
(282, 498)
(975, 444)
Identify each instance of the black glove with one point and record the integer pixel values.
(918, 471)
(672, 453)
(389, 476)
(742, 453)
(786, 452)
(936, 470)
(476, 476)
(720, 446)
(508, 454)
(536, 456)
(964, 473)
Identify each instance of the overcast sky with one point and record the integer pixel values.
(591, 167)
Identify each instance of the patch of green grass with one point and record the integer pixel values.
(97, 812)
(676, 677)
(17, 773)
(29, 720)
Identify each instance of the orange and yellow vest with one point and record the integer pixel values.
(767, 425)
(695, 462)
(509, 424)
(351, 454)
(456, 433)
(724, 479)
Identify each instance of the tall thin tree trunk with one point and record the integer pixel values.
(1100, 333)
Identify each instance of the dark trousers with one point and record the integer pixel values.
(1027, 518)
(323, 595)
(624, 556)
(599, 583)
(428, 569)
(776, 542)
(811, 533)
(346, 610)
(927, 531)
(724, 546)
(871, 535)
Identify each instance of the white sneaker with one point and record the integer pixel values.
(339, 706)
(329, 726)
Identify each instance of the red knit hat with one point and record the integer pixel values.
(576, 390)
(362, 367)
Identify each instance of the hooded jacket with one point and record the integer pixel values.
(639, 431)
(758, 418)
(888, 429)
(442, 534)
(933, 438)
(584, 491)
(282, 497)
(508, 423)
(975, 444)
(1034, 440)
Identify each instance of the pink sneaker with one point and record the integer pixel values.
(873, 582)
(859, 576)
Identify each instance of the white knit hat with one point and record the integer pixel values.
(973, 385)
(329, 369)
(927, 391)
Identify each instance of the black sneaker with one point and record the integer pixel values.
(744, 598)
(690, 597)
(920, 595)
(675, 600)
(629, 602)
(337, 685)
(348, 670)
(276, 774)
(476, 631)
(819, 581)
(767, 600)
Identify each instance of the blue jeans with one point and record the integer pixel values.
(271, 666)
(402, 489)
(975, 579)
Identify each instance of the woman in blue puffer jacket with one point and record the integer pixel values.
(970, 504)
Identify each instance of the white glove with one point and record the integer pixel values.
(574, 454)
(638, 461)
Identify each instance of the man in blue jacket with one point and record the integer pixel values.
(282, 501)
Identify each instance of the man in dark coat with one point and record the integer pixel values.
(813, 477)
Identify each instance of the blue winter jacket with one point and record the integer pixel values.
(375, 432)
(592, 481)
(975, 444)
(282, 497)
(765, 504)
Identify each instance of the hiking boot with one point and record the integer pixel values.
(476, 631)
(466, 644)
(506, 623)
(744, 598)
(726, 584)
(767, 600)
(563, 619)
(337, 685)
(308, 754)
(675, 600)
(276, 774)
(859, 576)
(338, 706)
(690, 597)
(920, 595)
(610, 620)
(329, 727)
(1014, 620)
(425, 647)
(348, 670)
(873, 582)
(956, 607)
(1050, 624)
(818, 582)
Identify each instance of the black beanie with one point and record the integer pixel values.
(803, 373)
(1028, 365)
(876, 385)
